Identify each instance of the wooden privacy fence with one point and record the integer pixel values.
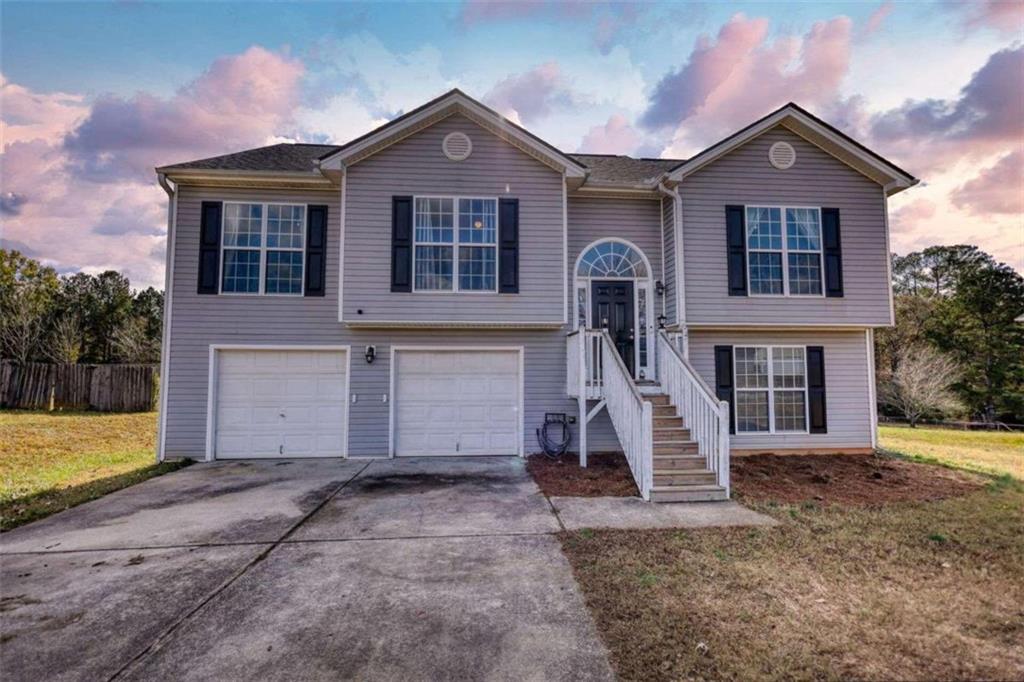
(107, 388)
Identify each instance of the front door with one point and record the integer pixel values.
(612, 309)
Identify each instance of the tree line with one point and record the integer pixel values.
(957, 348)
(78, 318)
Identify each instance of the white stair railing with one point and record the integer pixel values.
(703, 413)
(631, 415)
(583, 363)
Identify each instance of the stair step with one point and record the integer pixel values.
(658, 399)
(664, 411)
(684, 478)
(677, 461)
(670, 422)
(688, 493)
(675, 447)
(673, 433)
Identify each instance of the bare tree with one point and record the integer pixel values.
(921, 383)
(64, 345)
(21, 327)
(133, 344)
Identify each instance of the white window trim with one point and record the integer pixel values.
(771, 393)
(785, 251)
(584, 282)
(455, 244)
(262, 249)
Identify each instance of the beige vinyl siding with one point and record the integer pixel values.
(199, 321)
(847, 396)
(417, 166)
(744, 176)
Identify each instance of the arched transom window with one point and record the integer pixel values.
(611, 259)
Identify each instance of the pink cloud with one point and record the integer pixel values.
(616, 136)
(78, 183)
(531, 95)
(727, 83)
(878, 17)
(1006, 16)
(31, 115)
(240, 101)
(997, 189)
(987, 118)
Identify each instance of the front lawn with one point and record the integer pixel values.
(995, 452)
(925, 583)
(50, 461)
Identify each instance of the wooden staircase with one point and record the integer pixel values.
(680, 472)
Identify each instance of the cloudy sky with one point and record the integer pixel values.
(95, 95)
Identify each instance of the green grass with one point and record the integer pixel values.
(50, 461)
(989, 452)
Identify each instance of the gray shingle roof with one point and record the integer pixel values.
(277, 157)
(303, 157)
(624, 169)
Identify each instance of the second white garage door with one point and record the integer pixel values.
(457, 402)
(280, 403)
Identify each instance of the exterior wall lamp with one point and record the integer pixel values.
(659, 288)
(661, 321)
(371, 353)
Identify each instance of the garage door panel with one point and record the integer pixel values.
(280, 403)
(456, 402)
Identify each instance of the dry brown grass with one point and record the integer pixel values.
(912, 590)
(50, 461)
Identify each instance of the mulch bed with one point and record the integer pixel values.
(864, 480)
(606, 475)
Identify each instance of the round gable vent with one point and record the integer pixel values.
(782, 155)
(457, 146)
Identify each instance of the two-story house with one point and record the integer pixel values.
(439, 285)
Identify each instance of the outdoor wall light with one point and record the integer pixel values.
(371, 353)
(661, 321)
(659, 288)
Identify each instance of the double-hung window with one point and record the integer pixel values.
(784, 251)
(455, 244)
(263, 248)
(771, 389)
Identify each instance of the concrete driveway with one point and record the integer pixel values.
(388, 569)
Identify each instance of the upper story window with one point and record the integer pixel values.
(771, 389)
(784, 251)
(455, 244)
(263, 248)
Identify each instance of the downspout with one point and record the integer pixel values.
(165, 347)
(677, 219)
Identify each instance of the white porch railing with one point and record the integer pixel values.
(596, 372)
(703, 413)
(583, 362)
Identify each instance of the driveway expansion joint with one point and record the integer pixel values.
(173, 627)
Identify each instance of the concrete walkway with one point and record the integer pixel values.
(387, 569)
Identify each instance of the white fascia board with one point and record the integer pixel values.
(337, 160)
(900, 180)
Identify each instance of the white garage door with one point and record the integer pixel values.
(287, 403)
(457, 403)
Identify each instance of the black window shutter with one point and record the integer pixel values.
(816, 389)
(316, 250)
(508, 246)
(736, 245)
(723, 380)
(209, 247)
(833, 252)
(401, 243)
